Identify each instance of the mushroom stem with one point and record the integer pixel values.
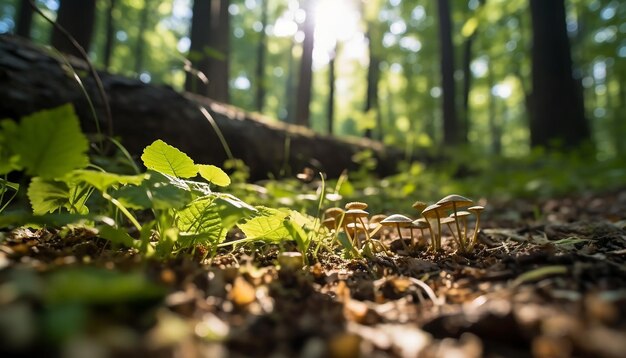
(458, 228)
(438, 236)
(367, 235)
(401, 239)
(475, 234)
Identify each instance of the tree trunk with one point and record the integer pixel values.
(330, 107)
(109, 39)
(290, 85)
(259, 101)
(450, 125)
(139, 45)
(558, 113)
(77, 17)
(24, 19)
(373, 77)
(32, 80)
(220, 41)
(303, 99)
(196, 80)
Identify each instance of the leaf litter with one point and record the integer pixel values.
(552, 285)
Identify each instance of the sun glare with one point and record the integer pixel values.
(336, 21)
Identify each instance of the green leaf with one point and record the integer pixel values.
(214, 175)
(201, 217)
(9, 161)
(269, 226)
(118, 236)
(103, 180)
(298, 234)
(232, 209)
(47, 196)
(157, 191)
(162, 157)
(51, 143)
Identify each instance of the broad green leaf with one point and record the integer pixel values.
(162, 157)
(298, 234)
(51, 143)
(269, 226)
(166, 243)
(118, 236)
(231, 210)
(214, 175)
(157, 191)
(9, 161)
(103, 180)
(47, 196)
(200, 216)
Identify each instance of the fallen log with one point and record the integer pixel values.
(33, 78)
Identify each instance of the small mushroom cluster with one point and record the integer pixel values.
(352, 221)
(436, 215)
(355, 224)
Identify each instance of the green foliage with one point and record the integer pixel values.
(47, 196)
(214, 175)
(49, 143)
(162, 157)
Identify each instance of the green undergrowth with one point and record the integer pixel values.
(176, 206)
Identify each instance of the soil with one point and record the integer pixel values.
(547, 279)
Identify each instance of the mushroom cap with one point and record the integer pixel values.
(421, 223)
(432, 209)
(460, 214)
(419, 205)
(333, 212)
(476, 209)
(446, 220)
(459, 200)
(394, 219)
(329, 223)
(356, 205)
(356, 213)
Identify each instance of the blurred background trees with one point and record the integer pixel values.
(498, 76)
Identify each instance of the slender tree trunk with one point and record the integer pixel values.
(200, 35)
(24, 19)
(140, 44)
(109, 39)
(558, 112)
(450, 125)
(290, 85)
(303, 99)
(260, 64)
(467, 84)
(494, 127)
(373, 77)
(219, 67)
(77, 17)
(330, 108)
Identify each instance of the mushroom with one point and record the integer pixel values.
(421, 224)
(462, 214)
(355, 214)
(356, 205)
(432, 213)
(334, 213)
(447, 221)
(419, 205)
(455, 201)
(476, 210)
(398, 221)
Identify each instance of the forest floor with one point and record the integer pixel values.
(548, 279)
